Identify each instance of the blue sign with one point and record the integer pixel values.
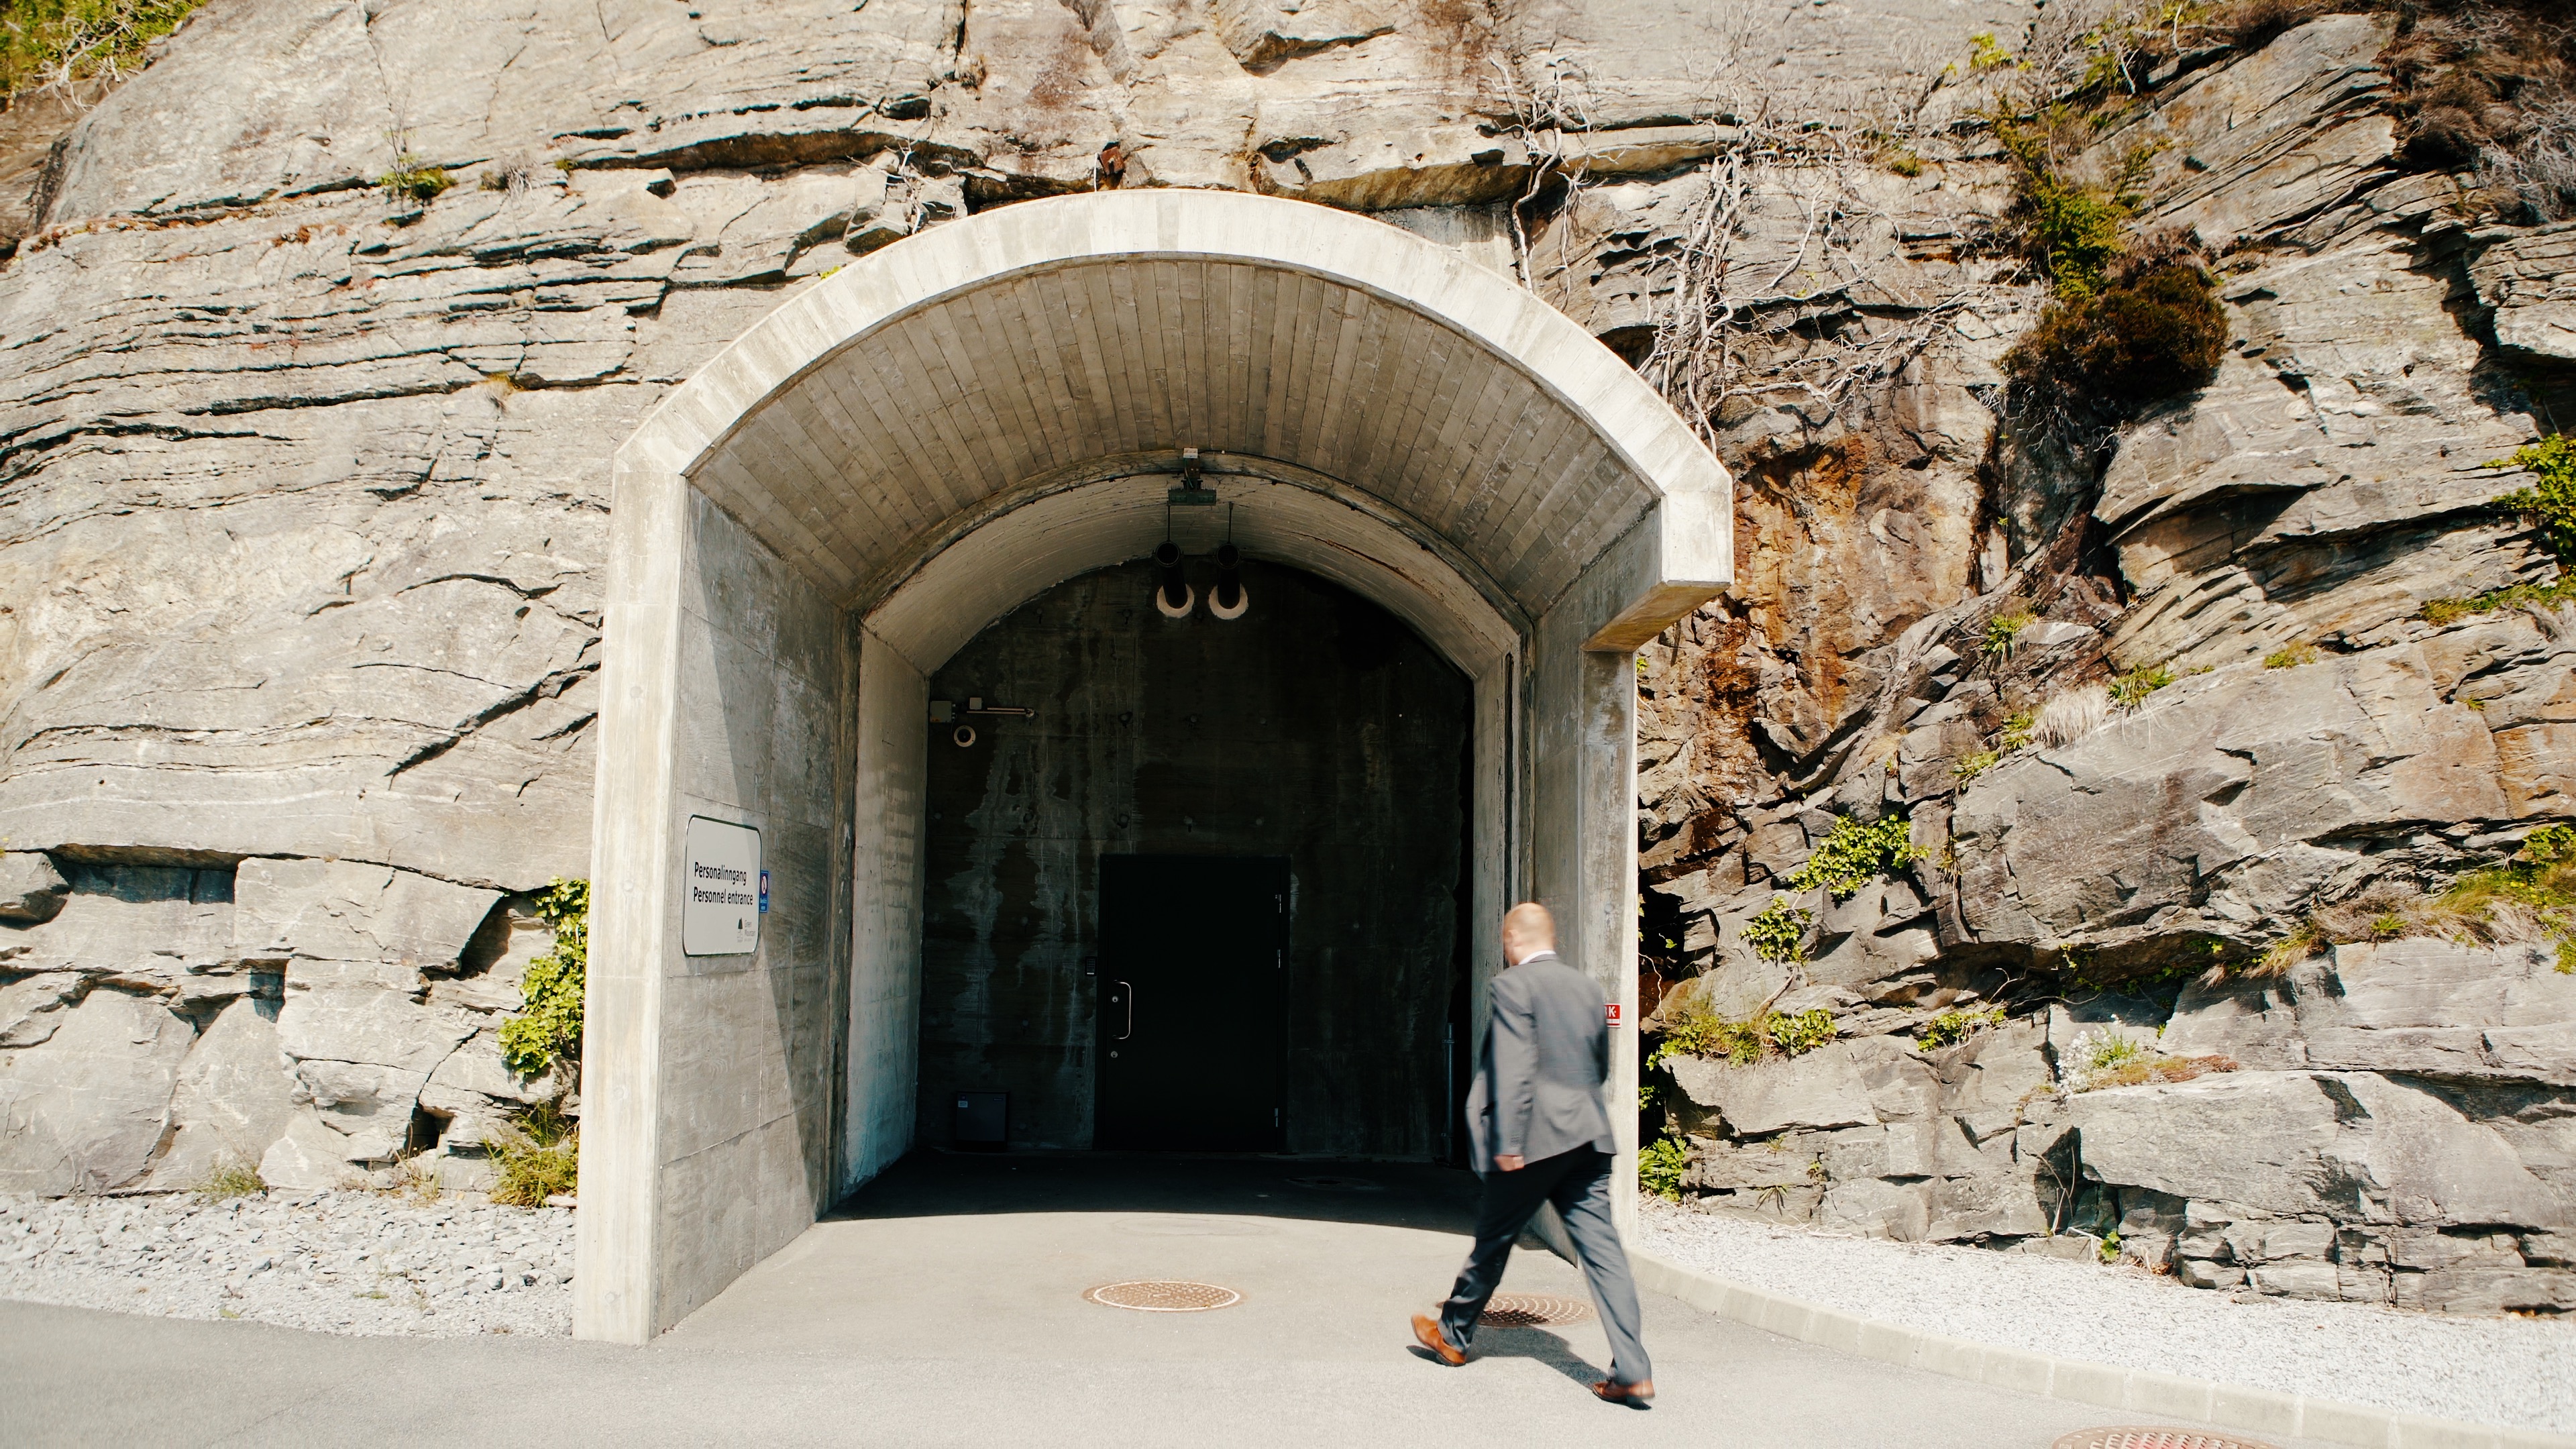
(764, 893)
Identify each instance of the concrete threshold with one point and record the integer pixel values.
(2226, 1406)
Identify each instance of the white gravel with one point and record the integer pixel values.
(342, 1262)
(2510, 1372)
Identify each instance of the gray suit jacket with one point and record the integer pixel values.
(1538, 1081)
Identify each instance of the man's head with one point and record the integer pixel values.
(1527, 930)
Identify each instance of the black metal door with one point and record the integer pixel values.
(1193, 1002)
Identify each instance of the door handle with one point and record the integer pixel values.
(1131, 1011)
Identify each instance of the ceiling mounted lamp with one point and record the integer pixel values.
(1228, 600)
(1173, 594)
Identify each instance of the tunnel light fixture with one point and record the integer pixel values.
(1192, 493)
(1228, 600)
(945, 711)
(1172, 593)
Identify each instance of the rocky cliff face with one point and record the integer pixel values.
(2296, 757)
(302, 491)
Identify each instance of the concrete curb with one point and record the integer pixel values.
(2229, 1406)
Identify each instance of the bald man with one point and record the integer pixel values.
(1541, 1134)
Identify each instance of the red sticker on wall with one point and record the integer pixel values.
(1614, 1013)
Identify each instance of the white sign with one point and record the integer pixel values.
(721, 889)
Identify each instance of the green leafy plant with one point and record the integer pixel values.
(1776, 931)
(1800, 1034)
(56, 42)
(413, 179)
(1971, 766)
(547, 1029)
(230, 1177)
(2532, 893)
(2071, 231)
(2290, 656)
(2108, 1052)
(1660, 1167)
(2019, 728)
(1850, 856)
(2550, 500)
(2132, 688)
(2438, 612)
(1949, 1028)
(1746, 1042)
(2109, 1252)
(2109, 1059)
(2549, 845)
(1985, 54)
(1853, 854)
(538, 1157)
(2001, 630)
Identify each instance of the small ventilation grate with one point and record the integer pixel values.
(2152, 1437)
(1163, 1295)
(1532, 1310)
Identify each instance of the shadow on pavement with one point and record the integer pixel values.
(1536, 1344)
(1392, 1194)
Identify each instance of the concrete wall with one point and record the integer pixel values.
(1317, 727)
(731, 1114)
(746, 1152)
(1583, 786)
(885, 919)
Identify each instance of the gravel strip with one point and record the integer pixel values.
(341, 1262)
(2511, 1372)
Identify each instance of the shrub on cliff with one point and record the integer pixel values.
(2550, 499)
(56, 42)
(2154, 329)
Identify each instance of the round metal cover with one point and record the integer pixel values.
(1328, 1183)
(1163, 1295)
(1532, 1310)
(2153, 1437)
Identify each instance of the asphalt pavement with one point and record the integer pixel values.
(945, 1305)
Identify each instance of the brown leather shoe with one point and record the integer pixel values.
(1635, 1396)
(1427, 1329)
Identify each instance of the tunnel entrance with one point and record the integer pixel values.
(1211, 895)
(826, 515)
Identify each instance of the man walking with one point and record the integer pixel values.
(1539, 1134)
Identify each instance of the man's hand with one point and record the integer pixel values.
(1505, 1162)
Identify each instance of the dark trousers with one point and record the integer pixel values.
(1578, 1182)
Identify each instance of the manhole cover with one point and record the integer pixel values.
(1532, 1310)
(2145, 1437)
(1163, 1295)
(1334, 1184)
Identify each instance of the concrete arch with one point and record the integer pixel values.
(963, 362)
(1114, 510)
(903, 453)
